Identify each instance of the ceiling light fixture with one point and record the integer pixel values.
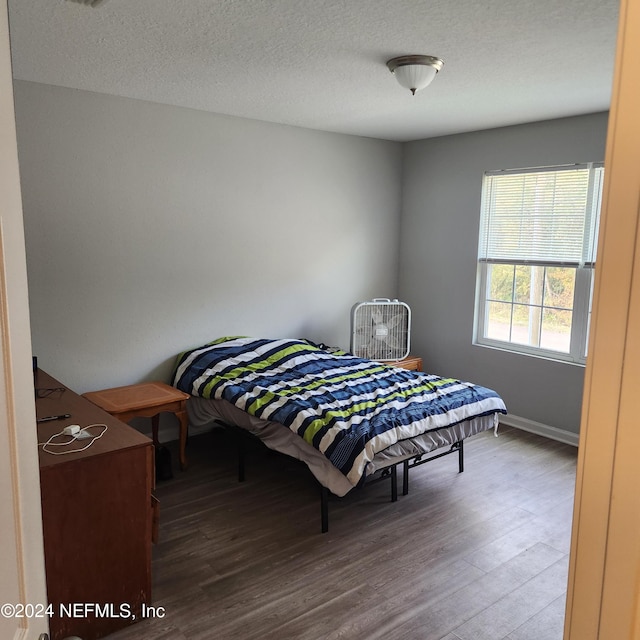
(415, 72)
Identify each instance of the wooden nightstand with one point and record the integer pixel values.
(412, 363)
(147, 400)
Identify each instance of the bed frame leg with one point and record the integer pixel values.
(405, 477)
(324, 509)
(394, 483)
(460, 457)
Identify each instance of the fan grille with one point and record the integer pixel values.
(380, 330)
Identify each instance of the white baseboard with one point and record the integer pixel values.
(568, 437)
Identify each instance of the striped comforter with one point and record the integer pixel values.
(346, 407)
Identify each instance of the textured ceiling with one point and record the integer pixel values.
(321, 63)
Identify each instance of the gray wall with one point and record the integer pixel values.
(439, 239)
(151, 229)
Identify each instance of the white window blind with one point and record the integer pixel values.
(541, 216)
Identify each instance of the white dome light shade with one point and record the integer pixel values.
(415, 72)
(414, 76)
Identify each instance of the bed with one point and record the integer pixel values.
(348, 419)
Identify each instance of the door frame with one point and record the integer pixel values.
(604, 570)
(21, 553)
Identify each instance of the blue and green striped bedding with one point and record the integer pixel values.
(346, 407)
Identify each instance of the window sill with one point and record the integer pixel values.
(496, 346)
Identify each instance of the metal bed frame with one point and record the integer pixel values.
(387, 472)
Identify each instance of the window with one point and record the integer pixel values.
(537, 246)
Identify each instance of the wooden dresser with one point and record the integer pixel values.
(97, 518)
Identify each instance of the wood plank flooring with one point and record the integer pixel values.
(472, 556)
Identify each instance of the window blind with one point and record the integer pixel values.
(544, 216)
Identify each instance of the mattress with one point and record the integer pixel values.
(349, 409)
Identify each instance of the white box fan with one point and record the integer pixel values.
(380, 329)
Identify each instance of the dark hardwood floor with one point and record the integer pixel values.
(481, 555)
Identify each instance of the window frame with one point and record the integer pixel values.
(583, 286)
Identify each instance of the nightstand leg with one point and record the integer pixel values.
(155, 421)
(184, 427)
